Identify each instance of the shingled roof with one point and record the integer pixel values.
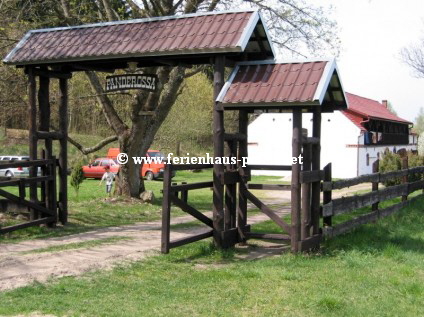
(206, 33)
(284, 84)
(366, 108)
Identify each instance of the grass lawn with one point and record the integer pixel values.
(377, 270)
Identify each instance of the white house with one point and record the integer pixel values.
(351, 139)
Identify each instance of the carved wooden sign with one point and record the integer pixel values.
(132, 81)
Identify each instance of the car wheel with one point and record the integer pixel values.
(8, 174)
(149, 176)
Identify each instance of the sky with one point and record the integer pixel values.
(372, 33)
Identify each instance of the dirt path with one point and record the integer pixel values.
(19, 267)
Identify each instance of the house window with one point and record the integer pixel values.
(368, 159)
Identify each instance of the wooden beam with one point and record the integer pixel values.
(270, 236)
(43, 135)
(52, 74)
(405, 178)
(191, 210)
(268, 187)
(191, 186)
(234, 137)
(63, 156)
(26, 225)
(316, 165)
(184, 241)
(327, 195)
(310, 243)
(32, 114)
(267, 211)
(166, 209)
(218, 145)
(306, 195)
(374, 186)
(230, 178)
(311, 176)
(295, 181)
(244, 177)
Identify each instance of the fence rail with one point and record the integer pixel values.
(43, 211)
(345, 205)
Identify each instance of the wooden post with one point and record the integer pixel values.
(52, 193)
(44, 106)
(295, 180)
(44, 125)
(230, 191)
(306, 195)
(32, 113)
(375, 168)
(327, 195)
(166, 208)
(405, 178)
(184, 193)
(316, 165)
(63, 156)
(218, 145)
(244, 177)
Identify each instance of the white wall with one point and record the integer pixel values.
(270, 142)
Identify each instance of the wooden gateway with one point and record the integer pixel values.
(297, 87)
(217, 38)
(223, 39)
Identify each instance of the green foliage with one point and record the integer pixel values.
(393, 162)
(414, 161)
(77, 177)
(388, 163)
(419, 121)
(421, 144)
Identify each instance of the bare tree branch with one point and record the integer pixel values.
(413, 56)
(111, 115)
(108, 10)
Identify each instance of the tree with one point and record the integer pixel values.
(391, 108)
(419, 122)
(413, 56)
(295, 26)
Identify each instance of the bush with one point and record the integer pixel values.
(414, 161)
(77, 176)
(393, 162)
(390, 162)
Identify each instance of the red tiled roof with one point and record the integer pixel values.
(368, 108)
(188, 34)
(283, 84)
(355, 118)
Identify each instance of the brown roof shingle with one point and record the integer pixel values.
(282, 84)
(189, 34)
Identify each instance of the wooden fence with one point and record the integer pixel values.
(43, 211)
(345, 205)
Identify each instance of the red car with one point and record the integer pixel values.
(150, 171)
(97, 168)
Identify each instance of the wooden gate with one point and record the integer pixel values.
(43, 211)
(170, 196)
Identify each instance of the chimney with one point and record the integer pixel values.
(385, 104)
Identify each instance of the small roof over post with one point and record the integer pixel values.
(191, 38)
(284, 86)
